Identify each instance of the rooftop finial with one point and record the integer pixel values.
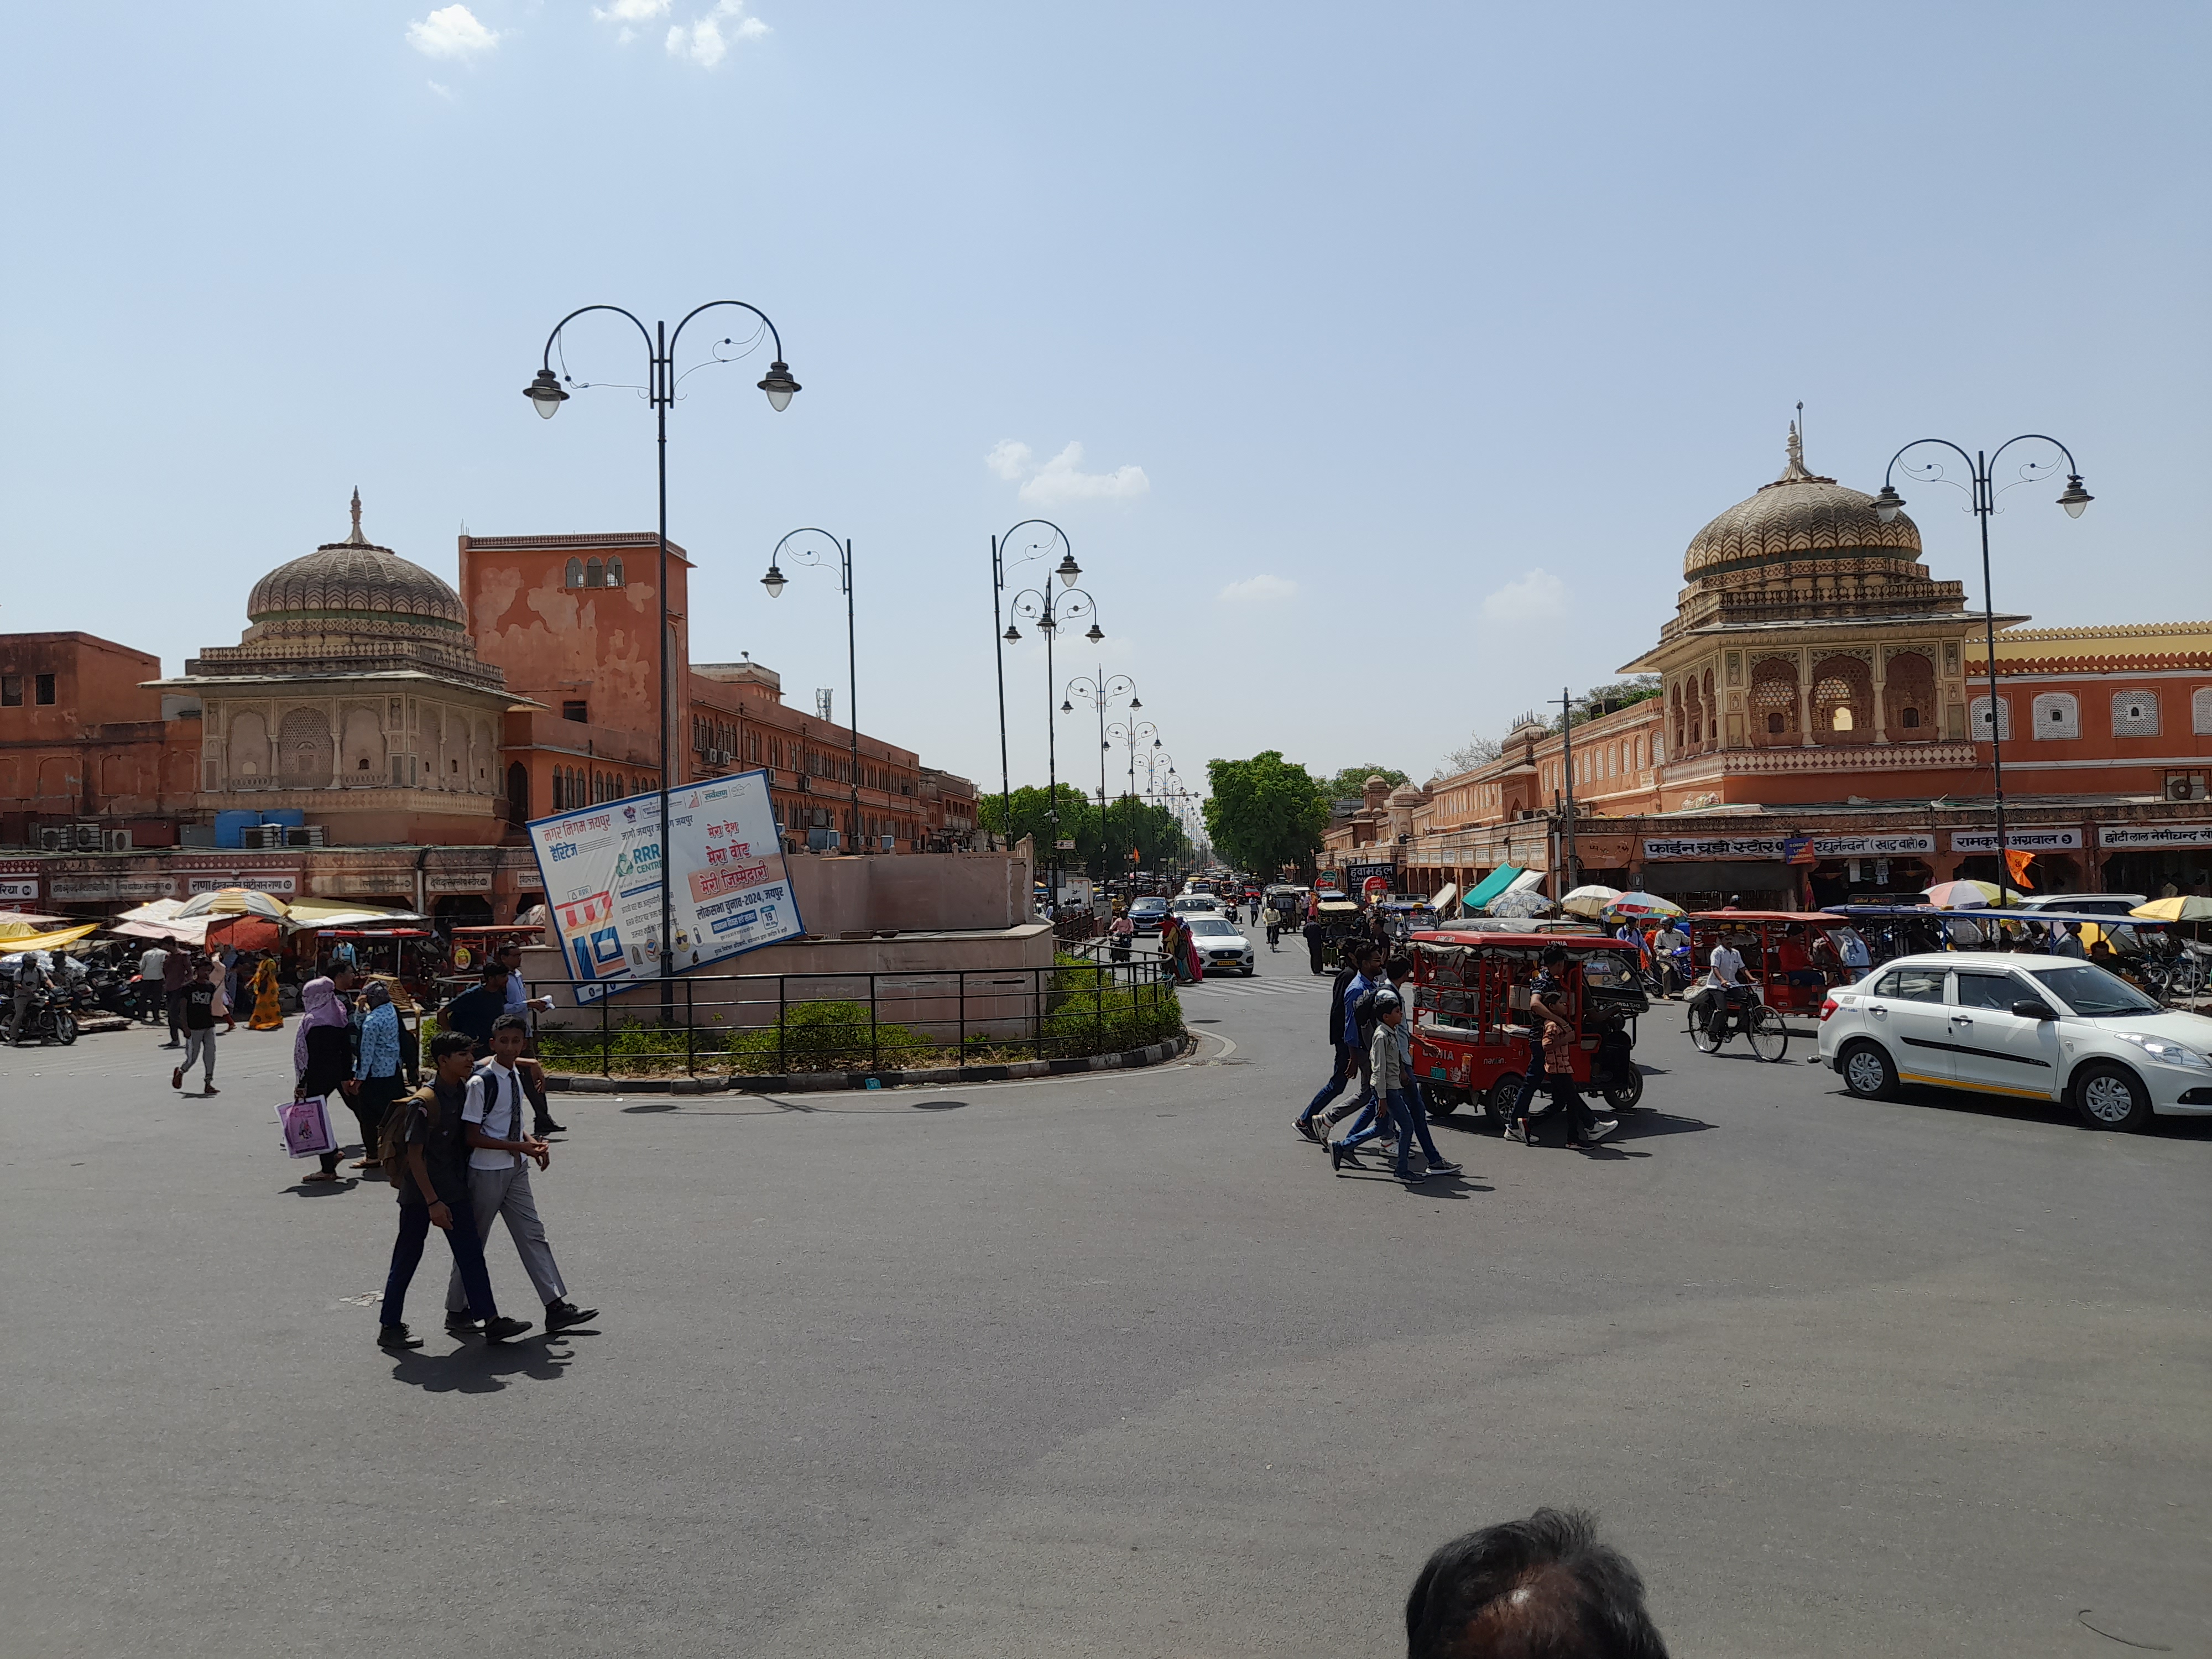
(1796, 469)
(358, 540)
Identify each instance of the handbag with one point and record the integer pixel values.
(307, 1126)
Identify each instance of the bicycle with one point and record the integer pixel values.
(1763, 1028)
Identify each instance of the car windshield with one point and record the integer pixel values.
(2092, 992)
(1149, 904)
(1209, 928)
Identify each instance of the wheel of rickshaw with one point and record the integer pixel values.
(1624, 1095)
(1497, 1100)
(1769, 1034)
(1443, 1099)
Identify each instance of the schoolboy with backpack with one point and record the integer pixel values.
(424, 1151)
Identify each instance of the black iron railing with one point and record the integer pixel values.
(778, 1023)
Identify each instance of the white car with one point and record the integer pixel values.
(1196, 904)
(2032, 1028)
(1221, 949)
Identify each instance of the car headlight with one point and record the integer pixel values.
(2166, 1051)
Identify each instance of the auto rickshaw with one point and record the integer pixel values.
(1341, 919)
(1473, 1042)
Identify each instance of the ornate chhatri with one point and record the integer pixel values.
(1798, 519)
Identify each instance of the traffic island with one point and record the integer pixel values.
(787, 1083)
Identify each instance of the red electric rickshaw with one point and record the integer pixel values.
(1474, 1041)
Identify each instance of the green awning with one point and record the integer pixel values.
(1490, 886)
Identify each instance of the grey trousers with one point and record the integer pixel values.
(496, 1193)
(199, 1046)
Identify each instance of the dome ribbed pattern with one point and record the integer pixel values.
(353, 581)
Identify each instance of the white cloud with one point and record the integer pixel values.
(631, 11)
(1537, 597)
(452, 32)
(1061, 480)
(707, 42)
(443, 91)
(1259, 590)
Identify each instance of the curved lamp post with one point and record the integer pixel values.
(1980, 469)
(1052, 609)
(1046, 535)
(1101, 693)
(842, 552)
(546, 395)
(1131, 733)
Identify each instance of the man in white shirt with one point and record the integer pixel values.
(499, 1182)
(1728, 973)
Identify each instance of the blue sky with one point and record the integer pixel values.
(1401, 349)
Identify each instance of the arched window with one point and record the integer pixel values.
(2057, 717)
(2199, 710)
(613, 572)
(2135, 713)
(576, 576)
(1978, 719)
(595, 574)
(1909, 695)
(1774, 698)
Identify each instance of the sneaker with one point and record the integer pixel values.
(1410, 1177)
(177, 1078)
(549, 1128)
(499, 1329)
(209, 1089)
(1600, 1130)
(396, 1336)
(1443, 1168)
(464, 1323)
(1516, 1129)
(560, 1316)
(1304, 1126)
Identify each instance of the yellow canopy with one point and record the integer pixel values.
(2189, 907)
(47, 941)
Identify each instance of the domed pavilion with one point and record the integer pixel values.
(355, 698)
(1808, 625)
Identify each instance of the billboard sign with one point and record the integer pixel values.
(728, 890)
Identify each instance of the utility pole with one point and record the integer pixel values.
(1567, 772)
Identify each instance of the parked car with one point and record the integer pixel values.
(2084, 904)
(1221, 948)
(2026, 1027)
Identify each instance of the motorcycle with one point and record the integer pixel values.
(48, 1016)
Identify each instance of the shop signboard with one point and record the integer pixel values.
(1357, 876)
(81, 889)
(466, 881)
(11, 889)
(2018, 841)
(1902, 844)
(254, 881)
(728, 888)
(2149, 837)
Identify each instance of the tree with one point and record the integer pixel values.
(1266, 812)
(1477, 751)
(1352, 780)
(1101, 848)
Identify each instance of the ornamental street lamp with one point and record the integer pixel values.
(1101, 693)
(1045, 534)
(546, 395)
(1983, 494)
(1051, 609)
(1132, 733)
(842, 552)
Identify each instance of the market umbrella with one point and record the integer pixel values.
(2190, 907)
(1590, 903)
(234, 902)
(1642, 906)
(1522, 903)
(1967, 895)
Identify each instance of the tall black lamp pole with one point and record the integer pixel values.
(1980, 470)
(1100, 693)
(1047, 534)
(842, 552)
(546, 394)
(1051, 609)
(1132, 733)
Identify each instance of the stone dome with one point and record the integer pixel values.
(1407, 795)
(355, 586)
(1799, 520)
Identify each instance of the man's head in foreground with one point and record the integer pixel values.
(1539, 1589)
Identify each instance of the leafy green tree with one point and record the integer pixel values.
(1266, 812)
(1352, 780)
(1101, 848)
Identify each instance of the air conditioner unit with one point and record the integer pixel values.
(2188, 787)
(718, 758)
(302, 835)
(53, 838)
(117, 840)
(88, 837)
(261, 836)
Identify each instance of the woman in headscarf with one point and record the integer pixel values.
(268, 1010)
(322, 1048)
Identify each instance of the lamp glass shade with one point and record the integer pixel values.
(1066, 707)
(2076, 500)
(1068, 570)
(1888, 504)
(1012, 635)
(773, 582)
(779, 385)
(1136, 703)
(545, 394)
(1096, 634)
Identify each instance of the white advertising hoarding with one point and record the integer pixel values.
(2020, 840)
(2153, 835)
(728, 890)
(1770, 847)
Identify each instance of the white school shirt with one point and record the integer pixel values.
(499, 1126)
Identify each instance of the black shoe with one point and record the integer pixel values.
(499, 1329)
(396, 1336)
(560, 1316)
(463, 1324)
(549, 1128)
(1304, 1126)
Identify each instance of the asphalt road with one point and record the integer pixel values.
(1106, 1365)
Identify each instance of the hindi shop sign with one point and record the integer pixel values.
(82, 889)
(1776, 846)
(2152, 837)
(728, 890)
(19, 890)
(280, 886)
(2017, 841)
